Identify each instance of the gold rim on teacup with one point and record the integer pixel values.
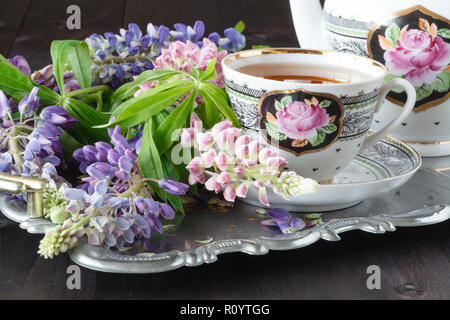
(257, 52)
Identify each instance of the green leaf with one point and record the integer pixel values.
(442, 82)
(176, 120)
(211, 114)
(210, 71)
(88, 118)
(240, 26)
(219, 99)
(79, 60)
(329, 128)
(128, 89)
(392, 33)
(12, 79)
(170, 171)
(286, 100)
(318, 138)
(59, 50)
(278, 105)
(444, 33)
(423, 92)
(149, 103)
(149, 160)
(325, 103)
(274, 131)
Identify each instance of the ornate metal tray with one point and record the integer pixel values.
(208, 231)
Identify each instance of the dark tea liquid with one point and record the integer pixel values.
(304, 79)
(304, 73)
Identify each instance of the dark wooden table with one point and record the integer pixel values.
(414, 262)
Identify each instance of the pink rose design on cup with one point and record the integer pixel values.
(420, 55)
(300, 120)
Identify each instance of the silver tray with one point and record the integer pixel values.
(208, 231)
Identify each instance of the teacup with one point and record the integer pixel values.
(320, 114)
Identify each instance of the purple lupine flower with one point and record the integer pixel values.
(187, 33)
(5, 162)
(283, 220)
(113, 194)
(233, 41)
(5, 108)
(22, 64)
(29, 103)
(173, 186)
(58, 116)
(158, 35)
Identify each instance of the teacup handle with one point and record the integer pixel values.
(409, 104)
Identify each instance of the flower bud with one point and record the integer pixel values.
(242, 189)
(187, 138)
(208, 158)
(221, 161)
(229, 194)
(224, 178)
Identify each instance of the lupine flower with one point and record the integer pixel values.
(232, 42)
(187, 33)
(233, 162)
(283, 220)
(57, 116)
(30, 103)
(29, 145)
(117, 58)
(114, 207)
(21, 63)
(185, 57)
(46, 78)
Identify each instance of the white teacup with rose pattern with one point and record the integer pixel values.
(320, 115)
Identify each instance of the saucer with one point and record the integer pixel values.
(376, 171)
(431, 149)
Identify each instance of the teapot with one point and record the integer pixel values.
(411, 38)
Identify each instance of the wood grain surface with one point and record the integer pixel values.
(414, 262)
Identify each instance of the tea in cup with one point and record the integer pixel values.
(316, 107)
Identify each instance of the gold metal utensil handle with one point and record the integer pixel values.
(33, 187)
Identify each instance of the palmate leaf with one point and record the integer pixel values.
(423, 92)
(79, 60)
(151, 102)
(174, 121)
(149, 160)
(128, 89)
(217, 97)
(59, 50)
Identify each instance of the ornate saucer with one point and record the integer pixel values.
(431, 149)
(378, 170)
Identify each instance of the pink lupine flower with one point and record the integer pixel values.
(242, 189)
(229, 194)
(223, 125)
(224, 178)
(234, 163)
(187, 137)
(208, 158)
(196, 166)
(213, 185)
(262, 196)
(221, 161)
(204, 140)
(185, 56)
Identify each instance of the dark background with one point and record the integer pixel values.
(414, 261)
